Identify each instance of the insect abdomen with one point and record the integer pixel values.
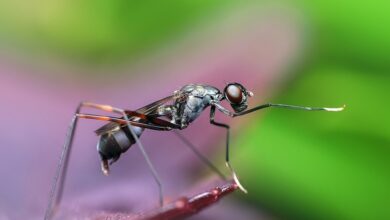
(112, 144)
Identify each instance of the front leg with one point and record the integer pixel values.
(294, 107)
(212, 121)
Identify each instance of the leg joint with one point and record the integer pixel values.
(219, 124)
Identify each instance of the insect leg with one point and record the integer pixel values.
(290, 107)
(235, 177)
(294, 107)
(147, 159)
(122, 121)
(59, 178)
(56, 190)
(199, 155)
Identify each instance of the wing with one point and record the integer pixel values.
(107, 127)
(152, 107)
(146, 110)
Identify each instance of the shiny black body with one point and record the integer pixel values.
(112, 144)
(174, 112)
(187, 104)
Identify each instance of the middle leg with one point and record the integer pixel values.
(199, 155)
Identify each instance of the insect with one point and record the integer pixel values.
(175, 112)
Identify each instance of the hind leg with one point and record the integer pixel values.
(124, 113)
(56, 190)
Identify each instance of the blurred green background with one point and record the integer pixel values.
(296, 165)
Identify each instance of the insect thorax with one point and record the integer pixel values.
(198, 98)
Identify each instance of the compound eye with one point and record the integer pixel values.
(234, 94)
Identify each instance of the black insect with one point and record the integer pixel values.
(174, 112)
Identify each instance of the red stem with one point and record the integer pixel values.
(182, 207)
(185, 207)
